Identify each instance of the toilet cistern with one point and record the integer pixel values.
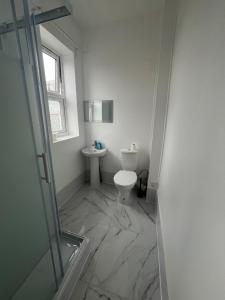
(94, 155)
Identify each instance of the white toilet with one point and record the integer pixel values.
(126, 179)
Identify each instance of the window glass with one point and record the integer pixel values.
(56, 115)
(50, 72)
(56, 100)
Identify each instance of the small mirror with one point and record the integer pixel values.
(98, 111)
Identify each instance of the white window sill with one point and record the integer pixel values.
(64, 138)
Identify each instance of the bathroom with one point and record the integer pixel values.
(102, 195)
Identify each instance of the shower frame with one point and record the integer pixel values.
(64, 280)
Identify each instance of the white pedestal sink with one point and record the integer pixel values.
(94, 155)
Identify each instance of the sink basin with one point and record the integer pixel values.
(94, 155)
(90, 152)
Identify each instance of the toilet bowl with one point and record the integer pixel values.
(124, 182)
(126, 179)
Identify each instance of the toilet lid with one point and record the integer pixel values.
(125, 178)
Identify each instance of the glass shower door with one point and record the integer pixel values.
(29, 254)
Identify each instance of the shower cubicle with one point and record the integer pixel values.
(37, 260)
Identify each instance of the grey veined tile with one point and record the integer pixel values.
(133, 218)
(85, 291)
(125, 264)
(85, 217)
(109, 191)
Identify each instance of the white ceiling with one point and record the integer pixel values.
(92, 13)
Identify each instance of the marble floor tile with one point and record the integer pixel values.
(124, 262)
(86, 216)
(109, 191)
(84, 291)
(132, 217)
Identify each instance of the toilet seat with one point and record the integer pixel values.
(125, 178)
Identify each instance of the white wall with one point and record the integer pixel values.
(192, 190)
(119, 63)
(68, 162)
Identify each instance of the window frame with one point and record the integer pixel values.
(59, 95)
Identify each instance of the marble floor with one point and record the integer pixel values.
(123, 263)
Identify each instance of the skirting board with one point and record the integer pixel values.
(67, 192)
(152, 196)
(161, 255)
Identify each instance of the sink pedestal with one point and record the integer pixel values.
(94, 156)
(94, 172)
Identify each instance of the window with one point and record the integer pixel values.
(55, 89)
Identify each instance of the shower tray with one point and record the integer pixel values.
(70, 247)
(75, 251)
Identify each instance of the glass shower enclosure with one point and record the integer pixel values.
(34, 254)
